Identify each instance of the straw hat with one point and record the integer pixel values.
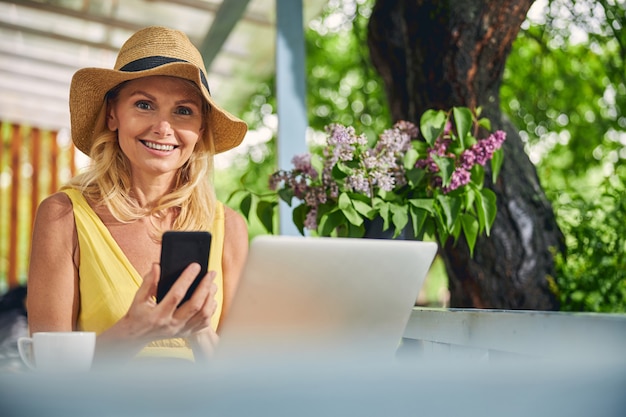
(150, 51)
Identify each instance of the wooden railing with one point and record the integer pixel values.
(492, 334)
(33, 164)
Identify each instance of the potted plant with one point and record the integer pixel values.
(427, 180)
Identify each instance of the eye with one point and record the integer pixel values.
(143, 105)
(185, 111)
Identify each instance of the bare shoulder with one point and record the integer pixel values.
(54, 228)
(56, 207)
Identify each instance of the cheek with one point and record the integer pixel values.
(192, 136)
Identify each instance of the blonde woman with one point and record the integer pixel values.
(151, 129)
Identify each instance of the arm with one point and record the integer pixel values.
(234, 256)
(233, 260)
(53, 295)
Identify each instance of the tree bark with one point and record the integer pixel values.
(444, 53)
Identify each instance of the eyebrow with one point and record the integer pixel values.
(178, 102)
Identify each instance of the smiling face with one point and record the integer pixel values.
(158, 120)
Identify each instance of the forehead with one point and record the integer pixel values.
(163, 84)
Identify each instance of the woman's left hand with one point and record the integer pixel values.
(203, 344)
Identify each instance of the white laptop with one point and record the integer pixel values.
(305, 297)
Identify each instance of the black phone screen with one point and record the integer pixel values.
(178, 250)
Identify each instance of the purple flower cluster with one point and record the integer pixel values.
(368, 169)
(479, 153)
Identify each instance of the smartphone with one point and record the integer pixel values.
(178, 250)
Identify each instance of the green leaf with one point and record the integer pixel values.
(399, 218)
(478, 175)
(410, 158)
(340, 171)
(462, 121)
(439, 227)
(345, 205)
(364, 209)
(456, 229)
(485, 209)
(423, 203)
(344, 201)
(489, 208)
(330, 221)
(451, 207)
(418, 218)
(414, 176)
(353, 231)
(299, 216)
(384, 212)
(484, 123)
(420, 147)
(480, 211)
(265, 212)
(446, 168)
(470, 230)
(496, 164)
(432, 123)
(317, 162)
(245, 205)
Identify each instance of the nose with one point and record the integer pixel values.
(163, 128)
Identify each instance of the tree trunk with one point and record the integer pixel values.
(439, 54)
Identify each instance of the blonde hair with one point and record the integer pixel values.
(108, 179)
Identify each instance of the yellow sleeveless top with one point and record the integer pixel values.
(108, 281)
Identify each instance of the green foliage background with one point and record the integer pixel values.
(564, 88)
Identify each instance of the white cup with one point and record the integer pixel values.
(58, 351)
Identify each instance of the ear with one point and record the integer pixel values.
(112, 123)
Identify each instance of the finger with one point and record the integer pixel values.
(198, 311)
(204, 292)
(147, 289)
(202, 320)
(177, 292)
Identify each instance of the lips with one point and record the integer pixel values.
(158, 146)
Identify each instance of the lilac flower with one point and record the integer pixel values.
(311, 219)
(369, 160)
(393, 141)
(485, 148)
(460, 177)
(467, 159)
(407, 127)
(302, 163)
(384, 180)
(427, 164)
(441, 147)
(358, 182)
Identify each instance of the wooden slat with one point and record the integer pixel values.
(16, 152)
(35, 160)
(2, 203)
(54, 164)
(72, 155)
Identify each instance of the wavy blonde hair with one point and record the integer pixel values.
(108, 179)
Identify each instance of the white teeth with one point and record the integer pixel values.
(159, 147)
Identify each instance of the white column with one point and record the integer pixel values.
(290, 94)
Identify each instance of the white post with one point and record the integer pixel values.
(290, 94)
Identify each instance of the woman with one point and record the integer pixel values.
(151, 129)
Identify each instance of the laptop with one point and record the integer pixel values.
(313, 297)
